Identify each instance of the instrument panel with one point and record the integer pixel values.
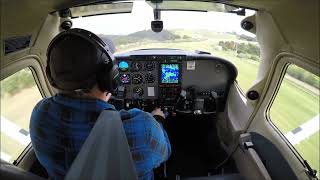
(143, 75)
(175, 80)
(138, 77)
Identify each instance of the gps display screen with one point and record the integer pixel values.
(170, 73)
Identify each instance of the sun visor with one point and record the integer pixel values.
(192, 6)
(101, 9)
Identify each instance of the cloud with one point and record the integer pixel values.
(142, 15)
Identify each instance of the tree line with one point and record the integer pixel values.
(243, 50)
(304, 76)
(17, 82)
(252, 51)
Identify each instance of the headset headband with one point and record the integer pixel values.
(107, 60)
(92, 38)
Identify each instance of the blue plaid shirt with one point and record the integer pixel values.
(60, 125)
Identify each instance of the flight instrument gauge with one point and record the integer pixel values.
(149, 78)
(136, 66)
(125, 78)
(138, 90)
(149, 66)
(123, 66)
(137, 79)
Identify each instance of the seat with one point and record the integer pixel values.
(11, 172)
(217, 177)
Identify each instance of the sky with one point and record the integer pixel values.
(142, 15)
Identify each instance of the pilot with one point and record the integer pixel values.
(80, 66)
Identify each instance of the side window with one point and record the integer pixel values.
(244, 53)
(295, 112)
(19, 94)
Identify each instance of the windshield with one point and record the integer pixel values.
(215, 32)
(131, 31)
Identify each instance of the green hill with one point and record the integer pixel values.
(141, 36)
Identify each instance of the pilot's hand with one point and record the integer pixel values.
(158, 112)
(108, 96)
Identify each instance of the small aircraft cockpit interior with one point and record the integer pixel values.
(237, 82)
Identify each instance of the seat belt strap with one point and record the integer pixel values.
(105, 153)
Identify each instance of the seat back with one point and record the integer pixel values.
(105, 153)
(217, 177)
(259, 158)
(11, 172)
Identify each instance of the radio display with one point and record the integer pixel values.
(170, 73)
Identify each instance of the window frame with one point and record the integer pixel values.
(284, 67)
(33, 63)
(275, 94)
(237, 85)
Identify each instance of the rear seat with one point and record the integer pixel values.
(11, 172)
(217, 177)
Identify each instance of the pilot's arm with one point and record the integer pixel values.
(148, 141)
(160, 118)
(158, 144)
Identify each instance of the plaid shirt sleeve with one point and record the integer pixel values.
(148, 141)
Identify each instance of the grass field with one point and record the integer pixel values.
(18, 109)
(309, 149)
(292, 107)
(294, 104)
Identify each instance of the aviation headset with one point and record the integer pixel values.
(107, 77)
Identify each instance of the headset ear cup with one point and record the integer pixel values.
(48, 73)
(108, 80)
(103, 80)
(115, 78)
